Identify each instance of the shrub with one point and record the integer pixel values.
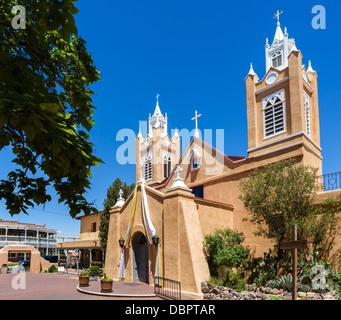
(53, 268)
(224, 248)
(232, 281)
(261, 270)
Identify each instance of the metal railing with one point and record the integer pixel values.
(330, 181)
(167, 288)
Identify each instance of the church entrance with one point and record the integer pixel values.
(140, 256)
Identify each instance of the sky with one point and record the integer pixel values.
(196, 55)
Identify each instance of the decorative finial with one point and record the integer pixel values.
(178, 171)
(120, 194)
(310, 68)
(252, 72)
(157, 98)
(178, 182)
(120, 200)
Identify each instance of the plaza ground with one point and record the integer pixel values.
(53, 286)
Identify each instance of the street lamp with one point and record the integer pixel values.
(121, 242)
(155, 240)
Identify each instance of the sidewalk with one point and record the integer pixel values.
(51, 286)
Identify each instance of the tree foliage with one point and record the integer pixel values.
(46, 107)
(109, 202)
(224, 248)
(281, 195)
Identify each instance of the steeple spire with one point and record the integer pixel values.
(157, 111)
(279, 36)
(158, 120)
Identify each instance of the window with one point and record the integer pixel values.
(93, 227)
(148, 167)
(273, 114)
(307, 114)
(198, 192)
(167, 164)
(195, 159)
(277, 59)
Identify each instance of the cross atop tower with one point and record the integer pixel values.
(196, 119)
(277, 15)
(157, 98)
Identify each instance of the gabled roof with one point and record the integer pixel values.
(233, 159)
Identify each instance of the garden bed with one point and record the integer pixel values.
(216, 292)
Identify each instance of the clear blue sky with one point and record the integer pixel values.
(196, 55)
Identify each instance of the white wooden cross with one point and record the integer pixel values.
(157, 98)
(278, 14)
(196, 119)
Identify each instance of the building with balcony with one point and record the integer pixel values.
(16, 233)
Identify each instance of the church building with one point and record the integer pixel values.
(180, 198)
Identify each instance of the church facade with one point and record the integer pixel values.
(182, 197)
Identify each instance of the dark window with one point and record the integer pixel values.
(93, 227)
(198, 191)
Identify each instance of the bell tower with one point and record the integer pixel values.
(157, 153)
(282, 108)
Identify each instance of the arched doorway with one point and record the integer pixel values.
(140, 257)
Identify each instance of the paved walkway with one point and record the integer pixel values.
(51, 286)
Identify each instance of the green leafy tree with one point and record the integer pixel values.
(109, 202)
(281, 195)
(46, 106)
(224, 248)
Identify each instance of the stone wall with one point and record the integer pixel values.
(215, 292)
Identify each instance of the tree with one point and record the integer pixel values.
(46, 107)
(281, 195)
(109, 202)
(224, 248)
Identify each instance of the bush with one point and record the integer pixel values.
(232, 281)
(261, 270)
(53, 268)
(223, 248)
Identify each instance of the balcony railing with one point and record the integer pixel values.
(33, 241)
(331, 181)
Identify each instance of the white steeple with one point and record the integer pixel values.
(279, 35)
(278, 52)
(158, 120)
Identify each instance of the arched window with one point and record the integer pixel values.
(167, 164)
(273, 114)
(148, 167)
(277, 59)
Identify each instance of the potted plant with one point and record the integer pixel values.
(84, 279)
(106, 283)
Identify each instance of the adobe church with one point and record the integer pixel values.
(178, 199)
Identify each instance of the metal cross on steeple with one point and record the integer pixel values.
(277, 15)
(157, 98)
